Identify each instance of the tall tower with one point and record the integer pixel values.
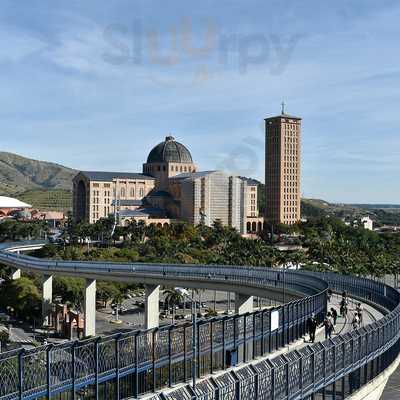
(282, 168)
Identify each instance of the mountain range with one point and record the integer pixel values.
(20, 174)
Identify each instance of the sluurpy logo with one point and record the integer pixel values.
(189, 54)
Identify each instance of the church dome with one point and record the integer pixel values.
(170, 151)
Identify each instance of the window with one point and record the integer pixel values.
(122, 192)
(132, 192)
(141, 192)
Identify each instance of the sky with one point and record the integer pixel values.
(95, 85)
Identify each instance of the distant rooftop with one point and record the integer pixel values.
(193, 175)
(128, 202)
(284, 115)
(143, 212)
(107, 176)
(250, 181)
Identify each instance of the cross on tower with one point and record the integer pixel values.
(283, 107)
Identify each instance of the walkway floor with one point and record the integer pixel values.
(343, 325)
(392, 388)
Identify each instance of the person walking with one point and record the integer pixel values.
(356, 321)
(312, 327)
(359, 311)
(334, 314)
(329, 328)
(343, 306)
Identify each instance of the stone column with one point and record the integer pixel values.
(243, 303)
(151, 307)
(16, 274)
(47, 298)
(90, 308)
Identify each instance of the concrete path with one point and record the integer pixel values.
(343, 325)
(392, 389)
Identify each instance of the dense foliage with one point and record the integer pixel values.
(11, 229)
(322, 244)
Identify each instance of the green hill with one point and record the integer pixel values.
(50, 199)
(19, 174)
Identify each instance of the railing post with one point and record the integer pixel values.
(270, 332)
(223, 345)
(169, 358)
(184, 356)
(117, 362)
(245, 338)
(136, 389)
(21, 374)
(153, 356)
(211, 348)
(262, 333)
(96, 376)
(73, 370)
(48, 372)
(254, 337)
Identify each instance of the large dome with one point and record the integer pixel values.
(170, 151)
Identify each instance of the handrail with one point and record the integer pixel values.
(137, 353)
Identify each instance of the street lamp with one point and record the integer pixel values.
(185, 293)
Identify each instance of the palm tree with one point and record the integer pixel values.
(210, 313)
(173, 298)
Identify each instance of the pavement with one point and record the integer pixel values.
(343, 325)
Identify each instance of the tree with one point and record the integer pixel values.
(173, 298)
(106, 291)
(70, 289)
(22, 295)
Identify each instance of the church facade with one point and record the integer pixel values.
(170, 188)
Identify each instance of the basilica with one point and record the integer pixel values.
(170, 188)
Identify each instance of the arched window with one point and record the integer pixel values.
(122, 192)
(248, 227)
(253, 226)
(132, 192)
(185, 169)
(141, 192)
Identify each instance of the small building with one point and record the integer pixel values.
(367, 223)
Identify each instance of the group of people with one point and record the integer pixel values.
(329, 322)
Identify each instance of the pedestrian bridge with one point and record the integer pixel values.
(134, 364)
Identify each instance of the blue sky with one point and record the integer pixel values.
(94, 85)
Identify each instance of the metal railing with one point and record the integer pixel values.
(139, 362)
(334, 368)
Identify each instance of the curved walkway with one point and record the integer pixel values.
(296, 374)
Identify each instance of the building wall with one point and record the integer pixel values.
(163, 171)
(251, 197)
(95, 200)
(215, 195)
(282, 169)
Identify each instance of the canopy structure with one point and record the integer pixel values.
(10, 202)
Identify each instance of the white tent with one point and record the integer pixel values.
(9, 202)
